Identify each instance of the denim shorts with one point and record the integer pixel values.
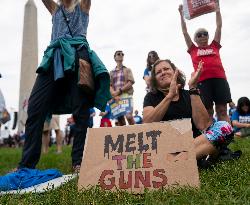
(220, 133)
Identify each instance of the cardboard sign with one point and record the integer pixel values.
(194, 8)
(121, 108)
(136, 157)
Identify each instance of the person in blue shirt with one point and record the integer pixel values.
(241, 117)
(105, 121)
(137, 118)
(151, 59)
(232, 108)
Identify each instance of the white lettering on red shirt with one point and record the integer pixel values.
(212, 67)
(205, 52)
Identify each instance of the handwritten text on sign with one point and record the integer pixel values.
(132, 153)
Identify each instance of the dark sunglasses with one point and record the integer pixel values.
(120, 54)
(152, 56)
(200, 34)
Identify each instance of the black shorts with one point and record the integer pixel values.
(214, 90)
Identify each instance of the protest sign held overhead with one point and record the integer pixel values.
(136, 157)
(195, 8)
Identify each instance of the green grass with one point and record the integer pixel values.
(226, 183)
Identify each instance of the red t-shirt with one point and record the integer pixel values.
(212, 67)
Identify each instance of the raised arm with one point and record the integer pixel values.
(187, 38)
(85, 5)
(217, 36)
(50, 5)
(199, 113)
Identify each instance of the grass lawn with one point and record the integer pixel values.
(226, 183)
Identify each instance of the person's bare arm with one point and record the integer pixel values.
(127, 86)
(186, 35)
(155, 114)
(85, 5)
(217, 35)
(103, 113)
(50, 5)
(113, 92)
(147, 80)
(199, 113)
(129, 82)
(238, 124)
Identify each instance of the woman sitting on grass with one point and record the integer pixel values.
(169, 101)
(241, 117)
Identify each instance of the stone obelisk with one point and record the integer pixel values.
(29, 60)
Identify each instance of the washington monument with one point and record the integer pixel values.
(29, 60)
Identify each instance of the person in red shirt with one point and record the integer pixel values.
(213, 83)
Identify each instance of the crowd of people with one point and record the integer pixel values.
(59, 89)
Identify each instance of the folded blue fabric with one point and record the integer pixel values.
(24, 178)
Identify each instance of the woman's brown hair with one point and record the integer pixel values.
(149, 65)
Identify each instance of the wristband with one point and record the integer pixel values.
(194, 91)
